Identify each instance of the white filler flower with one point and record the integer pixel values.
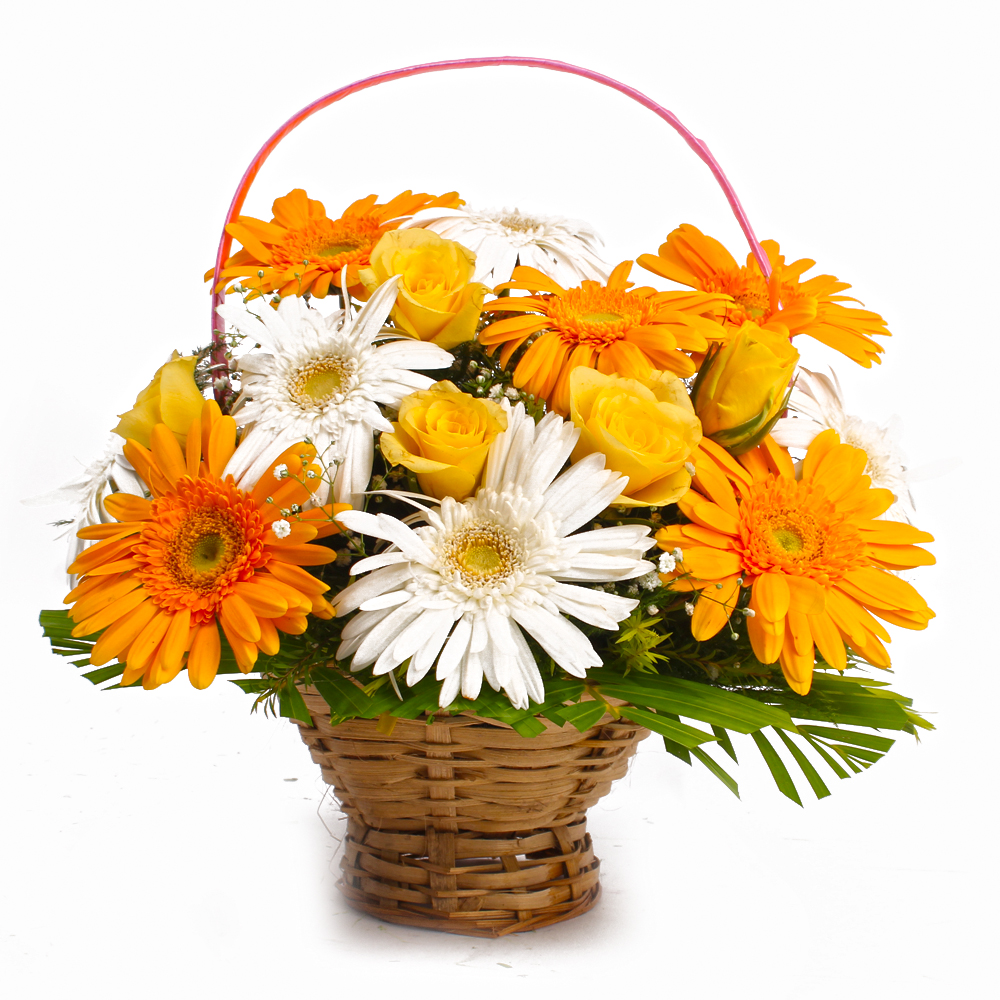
(564, 249)
(111, 473)
(458, 591)
(817, 401)
(322, 381)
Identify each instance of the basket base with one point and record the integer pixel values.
(495, 910)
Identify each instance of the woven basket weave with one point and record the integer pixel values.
(463, 825)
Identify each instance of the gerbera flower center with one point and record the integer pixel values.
(204, 546)
(789, 526)
(320, 380)
(328, 243)
(749, 291)
(595, 315)
(482, 553)
(517, 223)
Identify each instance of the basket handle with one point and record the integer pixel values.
(225, 243)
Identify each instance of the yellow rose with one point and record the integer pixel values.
(645, 428)
(437, 299)
(741, 389)
(172, 398)
(444, 436)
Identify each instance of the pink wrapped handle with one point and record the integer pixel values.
(225, 243)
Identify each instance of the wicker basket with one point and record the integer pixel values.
(463, 825)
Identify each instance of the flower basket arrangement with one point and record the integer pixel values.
(479, 510)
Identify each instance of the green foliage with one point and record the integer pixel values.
(692, 694)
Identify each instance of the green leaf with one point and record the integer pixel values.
(528, 727)
(777, 767)
(292, 706)
(819, 748)
(870, 740)
(583, 714)
(723, 775)
(693, 700)
(103, 674)
(343, 697)
(725, 742)
(682, 753)
(686, 735)
(812, 775)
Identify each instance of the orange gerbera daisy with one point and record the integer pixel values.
(783, 303)
(816, 559)
(301, 250)
(608, 327)
(199, 554)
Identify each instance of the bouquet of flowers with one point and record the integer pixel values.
(442, 461)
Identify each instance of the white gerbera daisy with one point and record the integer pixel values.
(111, 473)
(817, 401)
(459, 591)
(564, 249)
(323, 381)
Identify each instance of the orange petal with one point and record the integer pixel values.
(772, 595)
(713, 608)
(237, 617)
(167, 453)
(221, 445)
(795, 665)
(709, 563)
(299, 579)
(303, 555)
(806, 595)
(126, 507)
(119, 636)
(203, 660)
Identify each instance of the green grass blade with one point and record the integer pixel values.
(777, 767)
(816, 783)
(723, 775)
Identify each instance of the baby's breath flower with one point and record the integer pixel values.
(281, 529)
(280, 471)
(689, 607)
(667, 563)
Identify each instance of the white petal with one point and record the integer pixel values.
(454, 651)
(562, 640)
(354, 473)
(377, 562)
(424, 657)
(385, 633)
(391, 529)
(582, 492)
(379, 582)
(389, 600)
(413, 354)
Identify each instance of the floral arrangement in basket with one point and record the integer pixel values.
(455, 462)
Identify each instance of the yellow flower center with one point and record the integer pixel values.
(595, 315)
(749, 290)
(329, 244)
(791, 527)
(517, 223)
(482, 553)
(204, 546)
(201, 540)
(318, 381)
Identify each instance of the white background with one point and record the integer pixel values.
(157, 844)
